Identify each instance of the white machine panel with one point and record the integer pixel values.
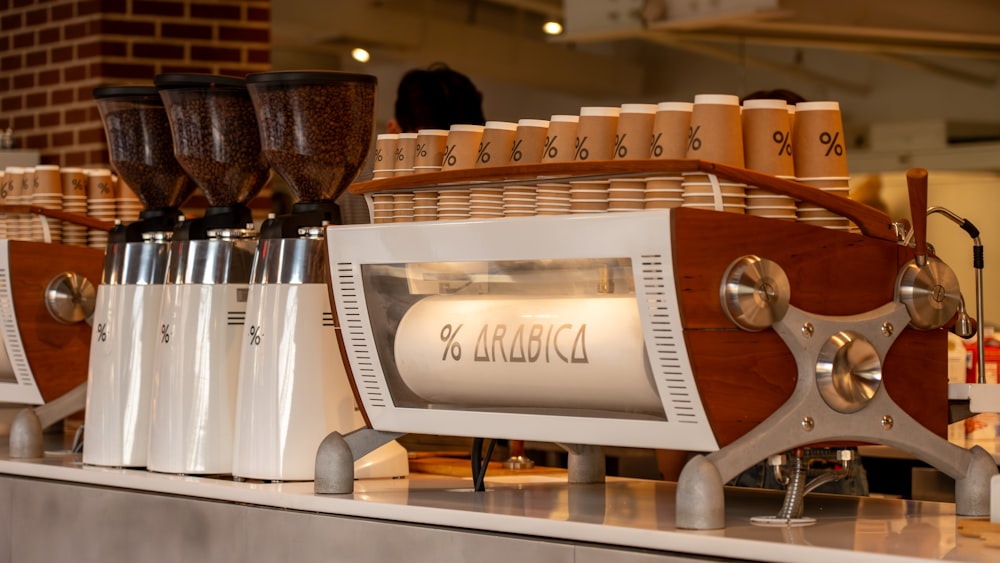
(17, 382)
(562, 329)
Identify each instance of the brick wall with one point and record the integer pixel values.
(53, 53)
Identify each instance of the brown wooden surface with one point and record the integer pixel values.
(58, 353)
(75, 218)
(872, 222)
(742, 376)
(829, 272)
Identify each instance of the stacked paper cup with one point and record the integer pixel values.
(552, 198)
(74, 186)
(461, 151)
(100, 204)
(22, 196)
(494, 150)
(402, 208)
(595, 140)
(48, 194)
(6, 198)
(529, 144)
(128, 204)
(670, 134)
(715, 134)
(383, 206)
(632, 142)
(425, 205)
(820, 159)
(767, 142)
(428, 156)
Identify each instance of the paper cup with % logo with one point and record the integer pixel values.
(430, 149)
(496, 144)
(670, 130)
(595, 134)
(463, 146)
(767, 137)
(405, 153)
(716, 132)
(529, 141)
(560, 138)
(818, 144)
(635, 131)
(385, 148)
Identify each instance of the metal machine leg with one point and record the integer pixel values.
(336, 456)
(28, 425)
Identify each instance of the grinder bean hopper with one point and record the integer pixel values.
(315, 130)
(201, 320)
(125, 327)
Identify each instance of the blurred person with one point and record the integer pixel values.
(433, 98)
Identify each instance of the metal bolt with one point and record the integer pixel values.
(807, 330)
(887, 328)
(808, 424)
(887, 422)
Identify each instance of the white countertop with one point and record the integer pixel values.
(622, 512)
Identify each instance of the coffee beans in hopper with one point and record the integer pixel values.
(315, 127)
(140, 145)
(215, 135)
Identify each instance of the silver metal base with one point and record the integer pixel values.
(806, 418)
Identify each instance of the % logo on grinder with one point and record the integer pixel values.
(831, 143)
(254, 335)
(781, 138)
(165, 333)
(450, 346)
(102, 332)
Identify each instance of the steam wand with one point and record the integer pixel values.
(977, 264)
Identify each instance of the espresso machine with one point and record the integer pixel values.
(197, 361)
(315, 130)
(126, 314)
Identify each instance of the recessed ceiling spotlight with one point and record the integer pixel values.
(360, 55)
(552, 27)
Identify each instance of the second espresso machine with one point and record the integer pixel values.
(205, 297)
(315, 130)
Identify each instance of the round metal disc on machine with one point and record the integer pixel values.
(754, 293)
(70, 298)
(930, 293)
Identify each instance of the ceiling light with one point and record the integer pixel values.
(360, 55)
(552, 27)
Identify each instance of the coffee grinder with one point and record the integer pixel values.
(205, 297)
(126, 314)
(315, 130)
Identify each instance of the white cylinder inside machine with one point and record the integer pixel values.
(527, 352)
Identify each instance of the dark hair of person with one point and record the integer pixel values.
(437, 98)
(777, 94)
